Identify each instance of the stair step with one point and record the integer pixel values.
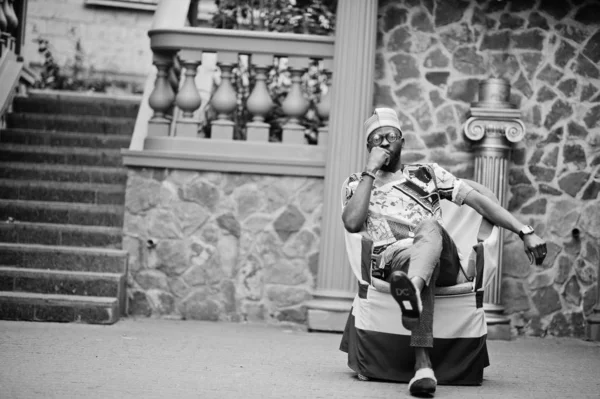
(61, 282)
(39, 190)
(55, 257)
(60, 308)
(60, 155)
(71, 123)
(61, 213)
(63, 173)
(61, 234)
(77, 105)
(40, 137)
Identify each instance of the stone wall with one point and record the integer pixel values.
(430, 57)
(221, 246)
(113, 41)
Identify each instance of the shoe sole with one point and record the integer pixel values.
(425, 388)
(405, 294)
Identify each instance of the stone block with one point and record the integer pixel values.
(514, 298)
(464, 90)
(467, 61)
(532, 39)
(381, 98)
(289, 222)
(559, 326)
(393, 17)
(564, 270)
(586, 273)
(584, 67)
(537, 207)
(151, 278)
(519, 195)
(546, 301)
(405, 67)
(172, 257)
(399, 40)
(536, 20)
(563, 217)
(200, 192)
(572, 291)
(572, 183)
(592, 117)
(447, 12)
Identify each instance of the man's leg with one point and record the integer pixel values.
(431, 260)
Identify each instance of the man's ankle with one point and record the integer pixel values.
(422, 359)
(418, 282)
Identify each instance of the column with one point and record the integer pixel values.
(162, 97)
(187, 98)
(324, 107)
(259, 103)
(224, 99)
(495, 125)
(593, 322)
(295, 105)
(351, 104)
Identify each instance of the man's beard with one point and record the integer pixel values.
(391, 163)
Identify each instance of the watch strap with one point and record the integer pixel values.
(529, 230)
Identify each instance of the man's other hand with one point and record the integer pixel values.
(535, 248)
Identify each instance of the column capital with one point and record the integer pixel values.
(490, 128)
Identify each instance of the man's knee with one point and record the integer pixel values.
(428, 226)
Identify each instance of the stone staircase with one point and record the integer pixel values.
(62, 191)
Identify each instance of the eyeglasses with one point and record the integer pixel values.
(376, 139)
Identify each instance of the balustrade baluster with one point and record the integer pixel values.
(162, 96)
(224, 100)
(12, 23)
(295, 104)
(324, 106)
(188, 99)
(259, 102)
(3, 28)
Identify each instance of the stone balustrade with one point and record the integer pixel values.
(12, 23)
(187, 47)
(171, 133)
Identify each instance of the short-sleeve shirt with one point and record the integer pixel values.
(399, 205)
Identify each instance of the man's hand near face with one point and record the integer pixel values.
(377, 158)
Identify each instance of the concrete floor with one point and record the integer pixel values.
(185, 359)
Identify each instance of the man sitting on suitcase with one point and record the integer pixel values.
(399, 207)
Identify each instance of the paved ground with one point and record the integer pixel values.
(184, 359)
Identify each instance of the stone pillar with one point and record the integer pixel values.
(593, 322)
(351, 104)
(494, 124)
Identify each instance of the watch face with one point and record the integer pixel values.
(527, 230)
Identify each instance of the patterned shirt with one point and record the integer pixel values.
(400, 202)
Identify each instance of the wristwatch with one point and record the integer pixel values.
(525, 230)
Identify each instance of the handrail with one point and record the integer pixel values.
(246, 42)
(143, 116)
(10, 71)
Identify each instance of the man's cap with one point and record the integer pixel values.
(382, 117)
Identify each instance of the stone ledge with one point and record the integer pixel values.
(221, 156)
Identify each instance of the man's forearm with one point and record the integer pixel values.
(356, 210)
(493, 212)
